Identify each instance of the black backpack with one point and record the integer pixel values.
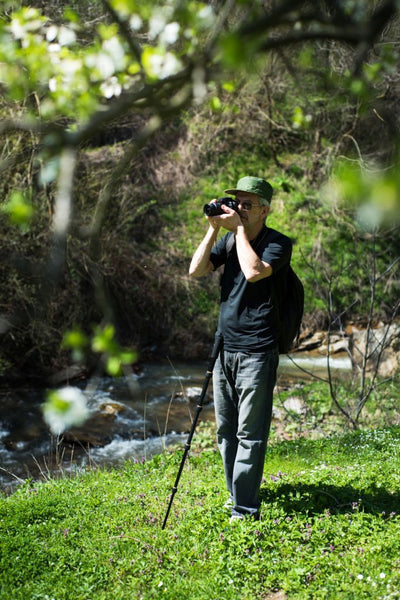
(289, 293)
(289, 299)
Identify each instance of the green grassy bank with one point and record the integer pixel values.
(330, 528)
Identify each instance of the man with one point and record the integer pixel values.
(254, 257)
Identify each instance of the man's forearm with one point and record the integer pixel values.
(201, 264)
(251, 265)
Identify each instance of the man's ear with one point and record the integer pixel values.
(265, 211)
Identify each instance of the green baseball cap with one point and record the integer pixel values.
(253, 185)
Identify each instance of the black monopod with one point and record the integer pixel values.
(210, 367)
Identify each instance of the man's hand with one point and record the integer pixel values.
(230, 220)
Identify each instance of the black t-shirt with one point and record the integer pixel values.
(248, 319)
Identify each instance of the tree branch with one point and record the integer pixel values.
(125, 31)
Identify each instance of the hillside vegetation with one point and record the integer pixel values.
(285, 121)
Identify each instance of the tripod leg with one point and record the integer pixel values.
(213, 358)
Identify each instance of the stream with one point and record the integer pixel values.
(131, 418)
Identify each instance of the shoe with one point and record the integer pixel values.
(228, 503)
(235, 519)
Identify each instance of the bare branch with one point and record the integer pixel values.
(110, 189)
(62, 216)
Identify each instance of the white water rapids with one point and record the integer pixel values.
(132, 418)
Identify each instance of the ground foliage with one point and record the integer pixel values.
(329, 527)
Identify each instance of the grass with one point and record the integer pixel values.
(330, 528)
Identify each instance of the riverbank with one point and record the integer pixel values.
(141, 414)
(330, 528)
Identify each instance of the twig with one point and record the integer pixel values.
(12, 475)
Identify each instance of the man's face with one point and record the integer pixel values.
(250, 210)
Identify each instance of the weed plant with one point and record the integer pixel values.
(330, 528)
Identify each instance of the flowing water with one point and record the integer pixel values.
(131, 418)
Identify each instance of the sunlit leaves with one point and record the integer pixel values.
(374, 196)
(126, 8)
(114, 356)
(76, 341)
(215, 103)
(19, 210)
(74, 80)
(71, 15)
(103, 342)
(42, 58)
(300, 120)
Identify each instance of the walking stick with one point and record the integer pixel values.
(210, 367)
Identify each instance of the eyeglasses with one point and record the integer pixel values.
(248, 205)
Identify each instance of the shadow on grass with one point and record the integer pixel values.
(315, 499)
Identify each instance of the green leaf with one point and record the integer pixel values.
(19, 210)
(229, 86)
(215, 103)
(74, 339)
(113, 366)
(103, 341)
(299, 119)
(232, 50)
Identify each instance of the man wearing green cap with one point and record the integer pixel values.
(244, 377)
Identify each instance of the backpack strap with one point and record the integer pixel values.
(230, 242)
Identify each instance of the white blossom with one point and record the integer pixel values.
(156, 25)
(170, 34)
(105, 64)
(64, 408)
(17, 29)
(53, 48)
(66, 36)
(164, 65)
(111, 88)
(51, 33)
(207, 15)
(115, 50)
(135, 22)
(53, 84)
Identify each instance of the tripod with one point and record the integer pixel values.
(210, 367)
